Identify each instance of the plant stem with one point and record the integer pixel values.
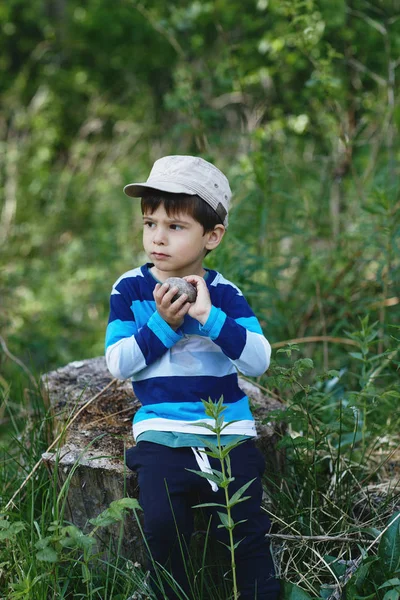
(228, 511)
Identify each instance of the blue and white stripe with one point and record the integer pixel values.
(173, 371)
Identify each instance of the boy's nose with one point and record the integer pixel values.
(159, 238)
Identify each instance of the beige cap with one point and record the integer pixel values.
(187, 175)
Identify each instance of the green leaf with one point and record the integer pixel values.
(223, 543)
(225, 520)
(73, 537)
(333, 373)
(351, 591)
(374, 209)
(390, 583)
(338, 568)
(357, 355)
(243, 499)
(293, 592)
(123, 503)
(229, 424)
(389, 545)
(288, 349)
(48, 554)
(226, 449)
(229, 467)
(392, 595)
(43, 543)
(238, 494)
(237, 544)
(8, 531)
(106, 518)
(206, 426)
(303, 364)
(236, 523)
(86, 577)
(214, 409)
(218, 479)
(115, 512)
(206, 504)
(226, 482)
(219, 421)
(373, 531)
(362, 572)
(209, 445)
(216, 455)
(295, 442)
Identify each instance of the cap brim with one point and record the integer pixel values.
(136, 190)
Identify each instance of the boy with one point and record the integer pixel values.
(179, 353)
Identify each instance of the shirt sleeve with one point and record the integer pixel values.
(130, 349)
(237, 331)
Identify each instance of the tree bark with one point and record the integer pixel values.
(89, 462)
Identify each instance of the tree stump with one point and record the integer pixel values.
(91, 451)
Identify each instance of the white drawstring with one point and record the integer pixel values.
(204, 464)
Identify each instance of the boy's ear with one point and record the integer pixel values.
(214, 237)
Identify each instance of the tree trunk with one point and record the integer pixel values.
(90, 454)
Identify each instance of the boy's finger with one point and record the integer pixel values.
(193, 279)
(197, 282)
(161, 289)
(179, 302)
(183, 310)
(169, 294)
(156, 292)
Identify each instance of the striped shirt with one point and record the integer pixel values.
(173, 371)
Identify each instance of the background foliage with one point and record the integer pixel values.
(297, 101)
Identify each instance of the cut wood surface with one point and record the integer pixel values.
(91, 452)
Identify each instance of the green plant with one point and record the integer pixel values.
(336, 492)
(378, 575)
(222, 478)
(371, 577)
(60, 551)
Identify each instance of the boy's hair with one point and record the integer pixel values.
(175, 204)
(186, 175)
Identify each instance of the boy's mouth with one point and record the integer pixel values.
(159, 255)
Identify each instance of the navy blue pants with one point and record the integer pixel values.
(167, 493)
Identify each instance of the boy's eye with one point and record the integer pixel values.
(176, 227)
(148, 223)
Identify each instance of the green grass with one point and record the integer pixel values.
(329, 507)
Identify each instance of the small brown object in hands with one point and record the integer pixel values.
(184, 287)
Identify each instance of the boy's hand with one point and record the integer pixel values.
(199, 310)
(172, 312)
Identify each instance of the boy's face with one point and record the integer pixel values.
(177, 244)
